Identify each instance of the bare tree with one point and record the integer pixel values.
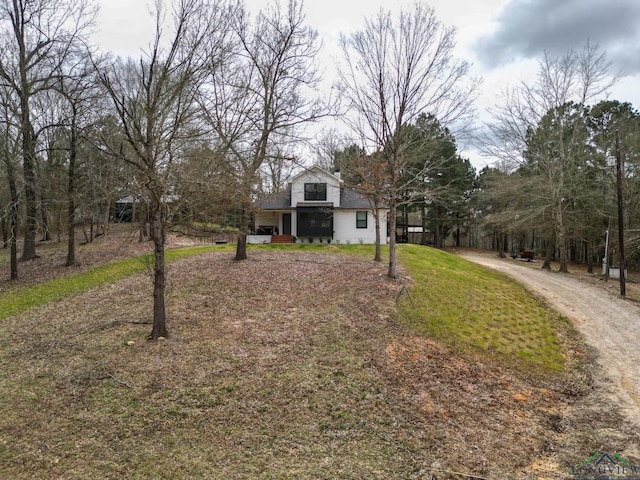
(154, 100)
(78, 87)
(369, 176)
(539, 125)
(37, 36)
(277, 170)
(556, 162)
(258, 98)
(10, 152)
(328, 145)
(580, 76)
(394, 69)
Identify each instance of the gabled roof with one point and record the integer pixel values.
(317, 170)
(349, 199)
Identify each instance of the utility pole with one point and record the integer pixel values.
(623, 289)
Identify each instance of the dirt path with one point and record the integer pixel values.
(609, 324)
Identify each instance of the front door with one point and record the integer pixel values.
(286, 224)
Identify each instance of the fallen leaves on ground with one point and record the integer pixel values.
(286, 365)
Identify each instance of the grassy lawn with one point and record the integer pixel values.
(468, 306)
(303, 362)
(12, 303)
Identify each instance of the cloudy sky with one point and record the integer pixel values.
(501, 38)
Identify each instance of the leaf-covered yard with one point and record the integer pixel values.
(288, 365)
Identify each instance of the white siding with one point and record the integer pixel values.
(344, 225)
(258, 239)
(315, 176)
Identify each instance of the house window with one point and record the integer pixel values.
(315, 192)
(361, 219)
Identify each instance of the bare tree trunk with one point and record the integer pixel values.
(159, 278)
(46, 235)
(500, 245)
(13, 222)
(392, 272)
(437, 232)
(423, 217)
(619, 166)
(533, 239)
(71, 226)
(13, 248)
(31, 199)
(59, 226)
(243, 231)
(84, 231)
(376, 217)
(71, 212)
(551, 246)
(562, 244)
(143, 223)
(4, 225)
(107, 211)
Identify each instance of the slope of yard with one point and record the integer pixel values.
(472, 307)
(293, 364)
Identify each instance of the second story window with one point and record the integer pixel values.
(315, 192)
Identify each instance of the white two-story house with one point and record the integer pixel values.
(317, 206)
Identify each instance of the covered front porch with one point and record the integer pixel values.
(285, 226)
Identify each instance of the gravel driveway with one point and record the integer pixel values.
(608, 323)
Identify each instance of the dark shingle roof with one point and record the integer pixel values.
(276, 201)
(351, 199)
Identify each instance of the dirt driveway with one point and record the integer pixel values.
(608, 323)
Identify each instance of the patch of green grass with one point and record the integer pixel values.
(471, 307)
(302, 379)
(451, 299)
(14, 302)
(351, 249)
(468, 306)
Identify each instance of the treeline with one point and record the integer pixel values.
(212, 114)
(562, 199)
(188, 129)
(190, 125)
(557, 138)
(553, 143)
